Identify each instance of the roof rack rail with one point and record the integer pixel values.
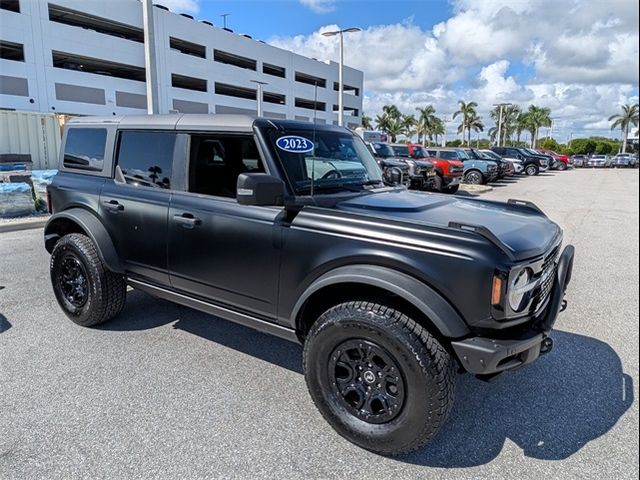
(486, 233)
(525, 203)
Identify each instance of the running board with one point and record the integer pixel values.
(222, 312)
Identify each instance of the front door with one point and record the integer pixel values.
(220, 250)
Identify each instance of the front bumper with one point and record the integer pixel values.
(488, 356)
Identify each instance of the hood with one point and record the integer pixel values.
(525, 232)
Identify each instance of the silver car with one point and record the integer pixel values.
(599, 161)
(623, 160)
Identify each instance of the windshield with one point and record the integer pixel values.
(531, 151)
(420, 152)
(333, 160)
(462, 155)
(401, 150)
(491, 155)
(383, 150)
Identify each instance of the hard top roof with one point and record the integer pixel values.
(194, 121)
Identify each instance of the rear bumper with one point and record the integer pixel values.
(487, 356)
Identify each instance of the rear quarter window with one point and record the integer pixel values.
(84, 149)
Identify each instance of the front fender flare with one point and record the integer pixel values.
(438, 310)
(92, 227)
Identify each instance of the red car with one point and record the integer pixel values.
(562, 161)
(449, 172)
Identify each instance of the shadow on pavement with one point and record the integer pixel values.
(550, 409)
(4, 324)
(143, 312)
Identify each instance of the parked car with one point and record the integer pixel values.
(533, 164)
(599, 161)
(516, 163)
(421, 171)
(623, 160)
(476, 171)
(562, 162)
(551, 161)
(391, 292)
(505, 167)
(448, 173)
(387, 162)
(579, 161)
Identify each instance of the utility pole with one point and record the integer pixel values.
(150, 63)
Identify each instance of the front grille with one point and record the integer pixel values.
(546, 277)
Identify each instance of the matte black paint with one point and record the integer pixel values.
(258, 265)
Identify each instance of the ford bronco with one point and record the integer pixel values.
(287, 227)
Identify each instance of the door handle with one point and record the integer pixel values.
(187, 220)
(113, 206)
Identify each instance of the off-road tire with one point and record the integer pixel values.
(532, 170)
(474, 177)
(452, 189)
(425, 367)
(436, 184)
(106, 291)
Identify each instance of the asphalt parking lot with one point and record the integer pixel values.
(167, 392)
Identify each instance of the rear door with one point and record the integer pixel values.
(220, 250)
(134, 205)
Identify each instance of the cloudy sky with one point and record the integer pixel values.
(578, 57)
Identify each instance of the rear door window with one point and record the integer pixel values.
(84, 149)
(145, 158)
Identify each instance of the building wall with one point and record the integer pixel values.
(35, 84)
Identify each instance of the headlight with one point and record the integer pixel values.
(543, 163)
(519, 290)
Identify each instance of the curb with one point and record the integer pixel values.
(18, 226)
(475, 188)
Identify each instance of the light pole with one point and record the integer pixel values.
(259, 94)
(150, 63)
(500, 120)
(341, 69)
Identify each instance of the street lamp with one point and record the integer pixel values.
(500, 120)
(259, 94)
(341, 69)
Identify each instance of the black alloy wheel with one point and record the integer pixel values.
(73, 281)
(367, 380)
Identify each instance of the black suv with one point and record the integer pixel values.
(287, 227)
(533, 164)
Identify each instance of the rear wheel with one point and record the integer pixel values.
(562, 166)
(532, 169)
(379, 378)
(87, 291)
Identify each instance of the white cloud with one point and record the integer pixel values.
(582, 57)
(180, 6)
(319, 6)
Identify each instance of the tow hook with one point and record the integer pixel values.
(563, 307)
(546, 346)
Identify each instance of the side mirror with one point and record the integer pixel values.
(259, 189)
(393, 176)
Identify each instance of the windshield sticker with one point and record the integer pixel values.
(294, 144)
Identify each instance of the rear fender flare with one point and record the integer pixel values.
(90, 226)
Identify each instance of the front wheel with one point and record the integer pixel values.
(532, 170)
(87, 291)
(474, 177)
(562, 167)
(378, 377)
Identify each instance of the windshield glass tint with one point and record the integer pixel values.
(420, 152)
(383, 150)
(462, 155)
(335, 160)
(401, 150)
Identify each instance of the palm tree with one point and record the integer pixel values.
(389, 117)
(475, 124)
(467, 111)
(537, 117)
(425, 122)
(520, 125)
(366, 123)
(509, 123)
(623, 120)
(409, 123)
(394, 128)
(437, 129)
